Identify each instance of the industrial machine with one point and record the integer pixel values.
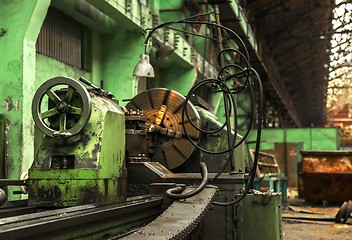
(76, 163)
(119, 168)
(162, 167)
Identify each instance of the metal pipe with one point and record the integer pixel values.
(176, 192)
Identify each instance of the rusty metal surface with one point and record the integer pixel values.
(330, 187)
(327, 176)
(326, 153)
(179, 220)
(326, 164)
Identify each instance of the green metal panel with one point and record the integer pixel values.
(315, 138)
(239, 13)
(325, 139)
(259, 217)
(269, 137)
(312, 138)
(84, 168)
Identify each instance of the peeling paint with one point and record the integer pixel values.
(8, 124)
(9, 104)
(17, 104)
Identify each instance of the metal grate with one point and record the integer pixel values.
(64, 39)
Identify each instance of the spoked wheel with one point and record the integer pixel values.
(61, 111)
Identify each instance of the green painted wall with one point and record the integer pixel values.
(47, 68)
(120, 54)
(172, 10)
(177, 78)
(312, 138)
(17, 76)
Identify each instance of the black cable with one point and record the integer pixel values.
(170, 23)
(185, 20)
(233, 144)
(232, 50)
(229, 98)
(243, 138)
(175, 193)
(185, 112)
(224, 28)
(190, 93)
(257, 147)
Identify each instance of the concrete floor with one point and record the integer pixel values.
(293, 230)
(312, 222)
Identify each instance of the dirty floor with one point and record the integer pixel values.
(295, 230)
(313, 222)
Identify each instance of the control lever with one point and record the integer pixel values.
(85, 81)
(98, 90)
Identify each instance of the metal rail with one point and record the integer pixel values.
(81, 221)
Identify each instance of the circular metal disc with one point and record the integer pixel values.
(169, 151)
(47, 89)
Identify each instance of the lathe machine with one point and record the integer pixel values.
(103, 171)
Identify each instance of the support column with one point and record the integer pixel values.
(17, 75)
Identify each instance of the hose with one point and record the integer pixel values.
(176, 192)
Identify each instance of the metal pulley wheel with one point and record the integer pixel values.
(163, 109)
(61, 111)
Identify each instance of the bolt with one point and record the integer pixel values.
(61, 107)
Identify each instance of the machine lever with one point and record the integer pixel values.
(97, 89)
(85, 81)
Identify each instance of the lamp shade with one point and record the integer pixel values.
(144, 68)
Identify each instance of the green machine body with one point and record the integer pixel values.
(81, 159)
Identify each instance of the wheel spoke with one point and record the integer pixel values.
(69, 94)
(49, 113)
(62, 122)
(75, 110)
(52, 95)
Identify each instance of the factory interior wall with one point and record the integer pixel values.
(178, 79)
(17, 78)
(120, 55)
(115, 50)
(312, 138)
